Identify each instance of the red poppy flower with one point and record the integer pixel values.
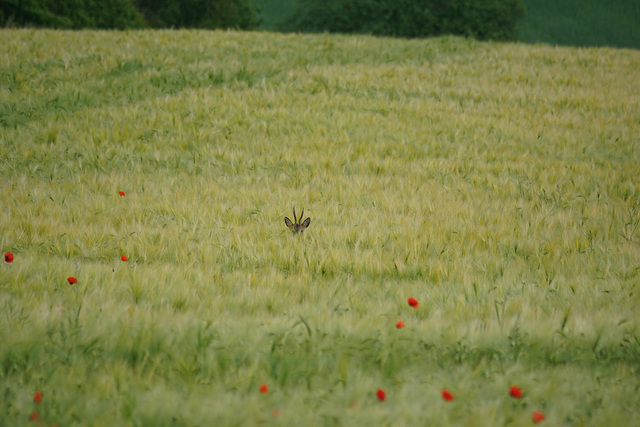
(37, 397)
(275, 413)
(124, 258)
(446, 395)
(8, 257)
(515, 391)
(413, 302)
(121, 193)
(381, 395)
(33, 416)
(264, 388)
(72, 280)
(537, 417)
(400, 324)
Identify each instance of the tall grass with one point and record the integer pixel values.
(495, 183)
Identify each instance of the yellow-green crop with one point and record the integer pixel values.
(497, 184)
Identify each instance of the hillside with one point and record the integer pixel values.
(614, 23)
(582, 23)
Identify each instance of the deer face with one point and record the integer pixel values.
(297, 226)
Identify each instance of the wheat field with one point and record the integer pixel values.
(494, 183)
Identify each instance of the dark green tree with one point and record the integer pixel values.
(482, 19)
(198, 13)
(70, 14)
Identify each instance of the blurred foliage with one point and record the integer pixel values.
(121, 14)
(198, 13)
(70, 14)
(482, 19)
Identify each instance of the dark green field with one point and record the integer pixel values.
(614, 23)
(272, 12)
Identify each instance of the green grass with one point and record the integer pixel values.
(495, 183)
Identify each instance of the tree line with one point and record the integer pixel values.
(482, 19)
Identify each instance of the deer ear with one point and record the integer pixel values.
(306, 223)
(288, 222)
